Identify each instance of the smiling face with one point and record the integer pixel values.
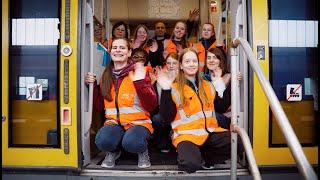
(207, 31)
(179, 30)
(142, 34)
(120, 51)
(120, 31)
(212, 61)
(172, 64)
(189, 63)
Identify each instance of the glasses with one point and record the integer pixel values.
(171, 63)
(138, 58)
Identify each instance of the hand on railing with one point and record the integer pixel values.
(90, 78)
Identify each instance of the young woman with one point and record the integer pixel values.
(207, 41)
(127, 96)
(220, 77)
(163, 129)
(178, 40)
(188, 105)
(141, 41)
(119, 30)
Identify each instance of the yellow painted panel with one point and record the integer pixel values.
(265, 155)
(39, 157)
(32, 120)
(302, 118)
(5, 14)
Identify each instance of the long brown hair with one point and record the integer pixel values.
(184, 41)
(181, 79)
(106, 78)
(135, 34)
(221, 56)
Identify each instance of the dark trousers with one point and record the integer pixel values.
(134, 140)
(161, 132)
(223, 121)
(215, 150)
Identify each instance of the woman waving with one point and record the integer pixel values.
(188, 105)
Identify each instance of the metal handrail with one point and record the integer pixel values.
(295, 147)
(235, 129)
(248, 149)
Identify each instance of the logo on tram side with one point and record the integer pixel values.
(294, 92)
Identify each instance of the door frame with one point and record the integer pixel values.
(16, 157)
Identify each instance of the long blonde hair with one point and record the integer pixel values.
(181, 80)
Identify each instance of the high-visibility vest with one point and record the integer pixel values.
(131, 113)
(189, 123)
(170, 47)
(202, 54)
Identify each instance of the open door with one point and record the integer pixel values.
(39, 71)
(91, 61)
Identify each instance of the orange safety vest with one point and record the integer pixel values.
(110, 44)
(189, 123)
(172, 48)
(131, 113)
(202, 54)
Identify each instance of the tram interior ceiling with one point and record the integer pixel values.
(148, 12)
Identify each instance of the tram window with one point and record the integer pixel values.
(294, 60)
(34, 73)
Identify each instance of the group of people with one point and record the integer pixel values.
(167, 88)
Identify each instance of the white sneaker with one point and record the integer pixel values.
(144, 160)
(110, 159)
(165, 150)
(206, 166)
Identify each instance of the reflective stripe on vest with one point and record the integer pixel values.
(124, 110)
(196, 132)
(137, 122)
(184, 119)
(194, 124)
(130, 110)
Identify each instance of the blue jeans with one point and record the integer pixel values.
(134, 140)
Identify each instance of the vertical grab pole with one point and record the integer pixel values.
(91, 63)
(234, 88)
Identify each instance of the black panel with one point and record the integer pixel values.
(291, 66)
(293, 9)
(35, 8)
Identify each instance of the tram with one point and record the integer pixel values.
(48, 125)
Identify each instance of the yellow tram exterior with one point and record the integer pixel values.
(264, 154)
(42, 157)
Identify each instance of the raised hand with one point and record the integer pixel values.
(153, 75)
(194, 15)
(179, 49)
(90, 78)
(139, 72)
(165, 78)
(154, 46)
